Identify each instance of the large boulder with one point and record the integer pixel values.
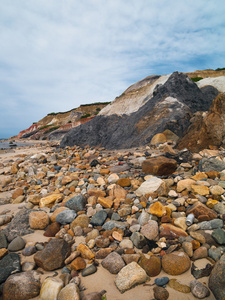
(217, 279)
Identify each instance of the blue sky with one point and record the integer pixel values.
(58, 54)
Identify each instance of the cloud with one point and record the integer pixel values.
(56, 55)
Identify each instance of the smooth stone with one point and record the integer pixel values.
(198, 289)
(111, 224)
(217, 279)
(171, 232)
(160, 293)
(143, 218)
(128, 258)
(66, 216)
(92, 235)
(113, 178)
(129, 276)
(113, 263)
(176, 263)
(174, 284)
(70, 291)
(81, 220)
(94, 296)
(38, 219)
(152, 266)
(115, 216)
(219, 236)
(138, 240)
(150, 230)
(219, 208)
(161, 281)
(3, 241)
(201, 252)
(22, 286)
(52, 229)
(209, 225)
(149, 186)
(99, 218)
(188, 248)
(126, 244)
(102, 253)
(28, 266)
(9, 264)
(76, 203)
(29, 251)
(16, 244)
(89, 270)
(50, 288)
(214, 253)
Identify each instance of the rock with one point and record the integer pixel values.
(124, 182)
(70, 291)
(102, 242)
(126, 244)
(219, 208)
(38, 220)
(102, 253)
(129, 276)
(198, 289)
(113, 263)
(106, 202)
(18, 192)
(188, 248)
(216, 190)
(199, 209)
(49, 200)
(8, 265)
(211, 164)
(66, 216)
(78, 264)
(160, 293)
(56, 212)
(3, 241)
(111, 224)
(217, 279)
(201, 252)
(159, 166)
(174, 284)
(16, 244)
(152, 266)
(128, 258)
(19, 225)
(170, 231)
(157, 209)
(99, 218)
(149, 186)
(150, 230)
(161, 281)
(81, 220)
(209, 225)
(92, 235)
(181, 223)
(52, 229)
(94, 296)
(86, 253)
(158, 138)
(30, 287)
(51, 288)
(185, 184)
(53, 255)
(29, 251)
(200, 190)
(176, 263)
(3, 252)
(76, 203)
(199, 273)
(219, 236)
(143, 218)
(214, 253)
(113, 178)
(89, 270)
(138, 240)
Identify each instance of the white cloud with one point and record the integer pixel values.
(58, 54)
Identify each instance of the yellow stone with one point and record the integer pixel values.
(157, 209)
(86, 253)
(105, 202)
(49, 200)
(158, 138)
(211, 202)
(199, 176)
(3, 252)
(200, 190)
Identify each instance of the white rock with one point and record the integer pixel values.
(149, 186)
(51, 288)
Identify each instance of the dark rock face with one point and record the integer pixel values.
(217, 279)
(170, 107)
(8, 265)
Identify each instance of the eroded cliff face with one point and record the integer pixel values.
(165, 102)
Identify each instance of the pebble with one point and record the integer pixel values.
(161, 281)
(199, 290)
(160, 293)
(16, 244)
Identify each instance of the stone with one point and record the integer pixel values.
(159, 166)
(152, 266)
(176, 285)
(158, 138)
(86, 253)
(38, 219)
(16, 244)
(102, 242)
(157, 209)
(70, 291)
(118, 192)
(161, 281)
(171, 232)
(149, 186)
(52, 257)
(126, 244)
(52, 229)
(81, 220)
(92, 235)
(89, 270)
(112, 224)
(212, 224)
(113, 263)
(199, 209)
(217, 279)
(124, 182)
(219, 208)
(219, 236)
(181, 223)
(128, 258)
(94, 296)
(8, 265)
(198, 289)
(160, 293)
(113, 178)
(56, 212)
(102, 253)
(3, 252)
(28, 251)
(34, 199)
(214, 253)
(18, 192)
(66, 216)
(200, 190)
(30, 287)
(150, 230)
(49, 200)
(99, 218)
(76, 203)
(201, 252)
(216, 190)
(211, 164)
(138, 240)
(185, 184)
(199, 273)
(51, 288)
(105, 202)
(3, 241)
(129, 276)
(176, 263)
(78, 264)
(188, 248)
(143, 218)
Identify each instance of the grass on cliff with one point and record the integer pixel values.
(195, 79)
(220, 69)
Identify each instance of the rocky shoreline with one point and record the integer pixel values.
(89, 223)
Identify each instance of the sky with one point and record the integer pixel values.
(58, 54)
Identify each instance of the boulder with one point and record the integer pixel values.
(51, 288)
(38, 219)
(176, 263)
(217, 279)
(159, 166)
(113, 263)
(8, 265)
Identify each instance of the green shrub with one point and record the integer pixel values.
(95, 103)
(98, 108)
(220, 69)
(52, 129)
(45, 126)
(70, 122)
(85, 116)
(195, 79)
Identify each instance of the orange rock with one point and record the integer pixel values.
(56, 212)
(199, 176)
(213, 174)
(38, 220)
(200, 190)
(50, 200)
(159, 166)
(96, 192)
(124, 182)
(118, 192)
(78, 264)
(117, 236)
(157, 209)
(3, 252)
(195, 244)
(14, 168)
(105, 202)
(158, 138)
(170, 231)
(18, 192)
(104, 171)
(86, 253)
(176, 263)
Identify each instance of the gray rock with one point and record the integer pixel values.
(219, 208)
(111, 224)
(16, 244)
(19, 225)
(89, 270)
(219, 236)
(138, 240)
(209, 225)
(99, 218)
(115, 217)
(76, 203)
(160, 293)
(113, 263)
(3, 241)
(70, 291)
(199, 290)
(29, 251)
(8, 265)
(94, 296)
(22, 286)
(129, 276)
(66, 216)
(214, 253)
(211, 164)
(150, 230)
(143, 218)
(199, 273)
(161, 281)
(217, 279)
